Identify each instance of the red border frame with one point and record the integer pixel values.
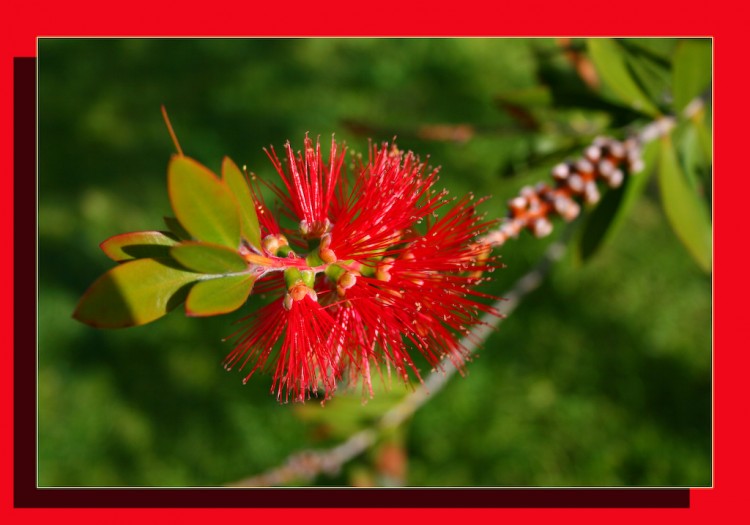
(87, 18)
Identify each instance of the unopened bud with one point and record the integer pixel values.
(593, 153)
(288, 302)
(347, 280)
(570, 211)
(325, 241)
(606, 168)
(636, 165)
(601, 141)
(517, 204)
(528, 192)
(408, 255)
(616, 178)
(298, 291)
(617, 150)
(382, 270)
(541, 227)
(272, 243)
(591, 194)
(328, 256)
(561, 204)
(584, 166)
(575, 183)
(561, 171)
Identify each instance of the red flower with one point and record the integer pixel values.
(310, 184)
(385, 289)
(304, 362)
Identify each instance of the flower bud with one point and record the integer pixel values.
(382, 271)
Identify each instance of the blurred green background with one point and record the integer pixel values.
(600, 377)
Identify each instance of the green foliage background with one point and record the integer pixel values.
(601, 377)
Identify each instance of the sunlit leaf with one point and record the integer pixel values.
(208, 258)
(237, 182)
(610, 62)
(603, 223)
(203, 203)
(138, 245)
(702, 125)
(686, 212)
(218, 296)
(134, 293)
(691, 72)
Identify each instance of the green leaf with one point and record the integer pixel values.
(208, 258)
(138, 245)
(536, 96)
(174, 226)
(691, 72)
(610, 62)
(134, 293)
(653, 78)
(692, 157)
(218, 296)
(685, 211)
(603, 223)
(703, 128)
(203, 203)
(236, 181)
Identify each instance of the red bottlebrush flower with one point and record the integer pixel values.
(390, 195)
(304, 362)
(385, 288)
(310, 184)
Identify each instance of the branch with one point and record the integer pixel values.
(602, 161)
(605, 160)
(308, 464)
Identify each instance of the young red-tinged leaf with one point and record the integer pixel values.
(218, 296)
(138, 245)
(208, 258)
(686, 212)
(611, 64)
(134, 293)
(236, 181)
(203, 203)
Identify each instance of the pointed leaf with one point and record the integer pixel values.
(218, 296)
(605, 220)
(203, 203)
(134, 293)
(692, 157)
(174, 226)
(138, 245)
(236, 181)
(692, 71)
(610, 62)
(653, 78)
(703, 128)
(686, 212)
(208, 258)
